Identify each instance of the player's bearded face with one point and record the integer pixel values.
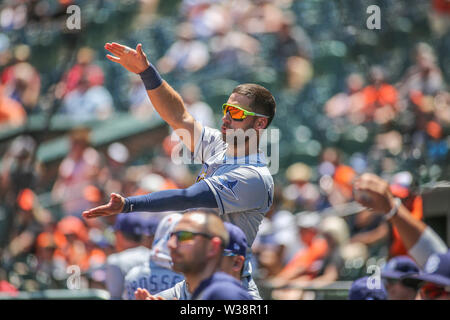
(189, 257)
(233, 127)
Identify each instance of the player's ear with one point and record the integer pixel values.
(216, 246)
(261, 123)
(238, 263)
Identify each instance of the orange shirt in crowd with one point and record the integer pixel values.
(375, 97)
(305, 257)
(397, 247)
(11, 111)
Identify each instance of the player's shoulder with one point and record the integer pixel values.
(211, 135)
(138, 271)
(225, 287)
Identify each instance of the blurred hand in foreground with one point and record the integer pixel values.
(373, 192)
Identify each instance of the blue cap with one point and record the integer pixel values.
(238, 242)
(399, 267)
(150, 224)
(129, 223)
(361, 290)
(436, 270)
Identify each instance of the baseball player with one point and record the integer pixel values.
(234, 179)
(232, 263)
(210, 255)
(131, 252)
(156, 274)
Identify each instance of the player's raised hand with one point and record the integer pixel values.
(133, 60)
(114, 206)
(373, 192)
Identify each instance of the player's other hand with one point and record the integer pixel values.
(143, 294)
(133, 60)
(114, 206)
(373, 192)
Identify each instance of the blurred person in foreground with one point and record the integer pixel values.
(393, 275)
(435, 280)
(419, 239)
(130, 253)
(364, 289)
(231, 263)
(156, 274)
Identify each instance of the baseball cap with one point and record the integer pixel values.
(149, 225)
(436, 270)
(129, 223)
(398, 267)
(237, 243)
(360, 290)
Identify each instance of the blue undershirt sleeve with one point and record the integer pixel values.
(198, 195)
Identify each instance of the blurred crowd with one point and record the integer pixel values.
(315, 232)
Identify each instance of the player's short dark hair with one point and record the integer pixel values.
(262, 101)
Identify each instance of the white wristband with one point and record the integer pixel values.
(394, 210)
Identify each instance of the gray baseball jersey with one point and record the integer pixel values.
(150, 276)
(243, 187)
(118, 265)
(179, 291)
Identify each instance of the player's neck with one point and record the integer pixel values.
(194, 280)
(242, 150)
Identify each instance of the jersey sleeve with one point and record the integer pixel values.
(208, 143)
(238, 190)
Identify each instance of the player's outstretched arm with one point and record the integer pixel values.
(199, 195)
(167, 102)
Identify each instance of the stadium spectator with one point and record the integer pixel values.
(77, 170)
(72, 79)
(186, 54)
(336, 233)
(301, 193)
(380, 98)
(201, 111)
(348, 103)
(90, 99)
(304, 263)
(22, 81)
